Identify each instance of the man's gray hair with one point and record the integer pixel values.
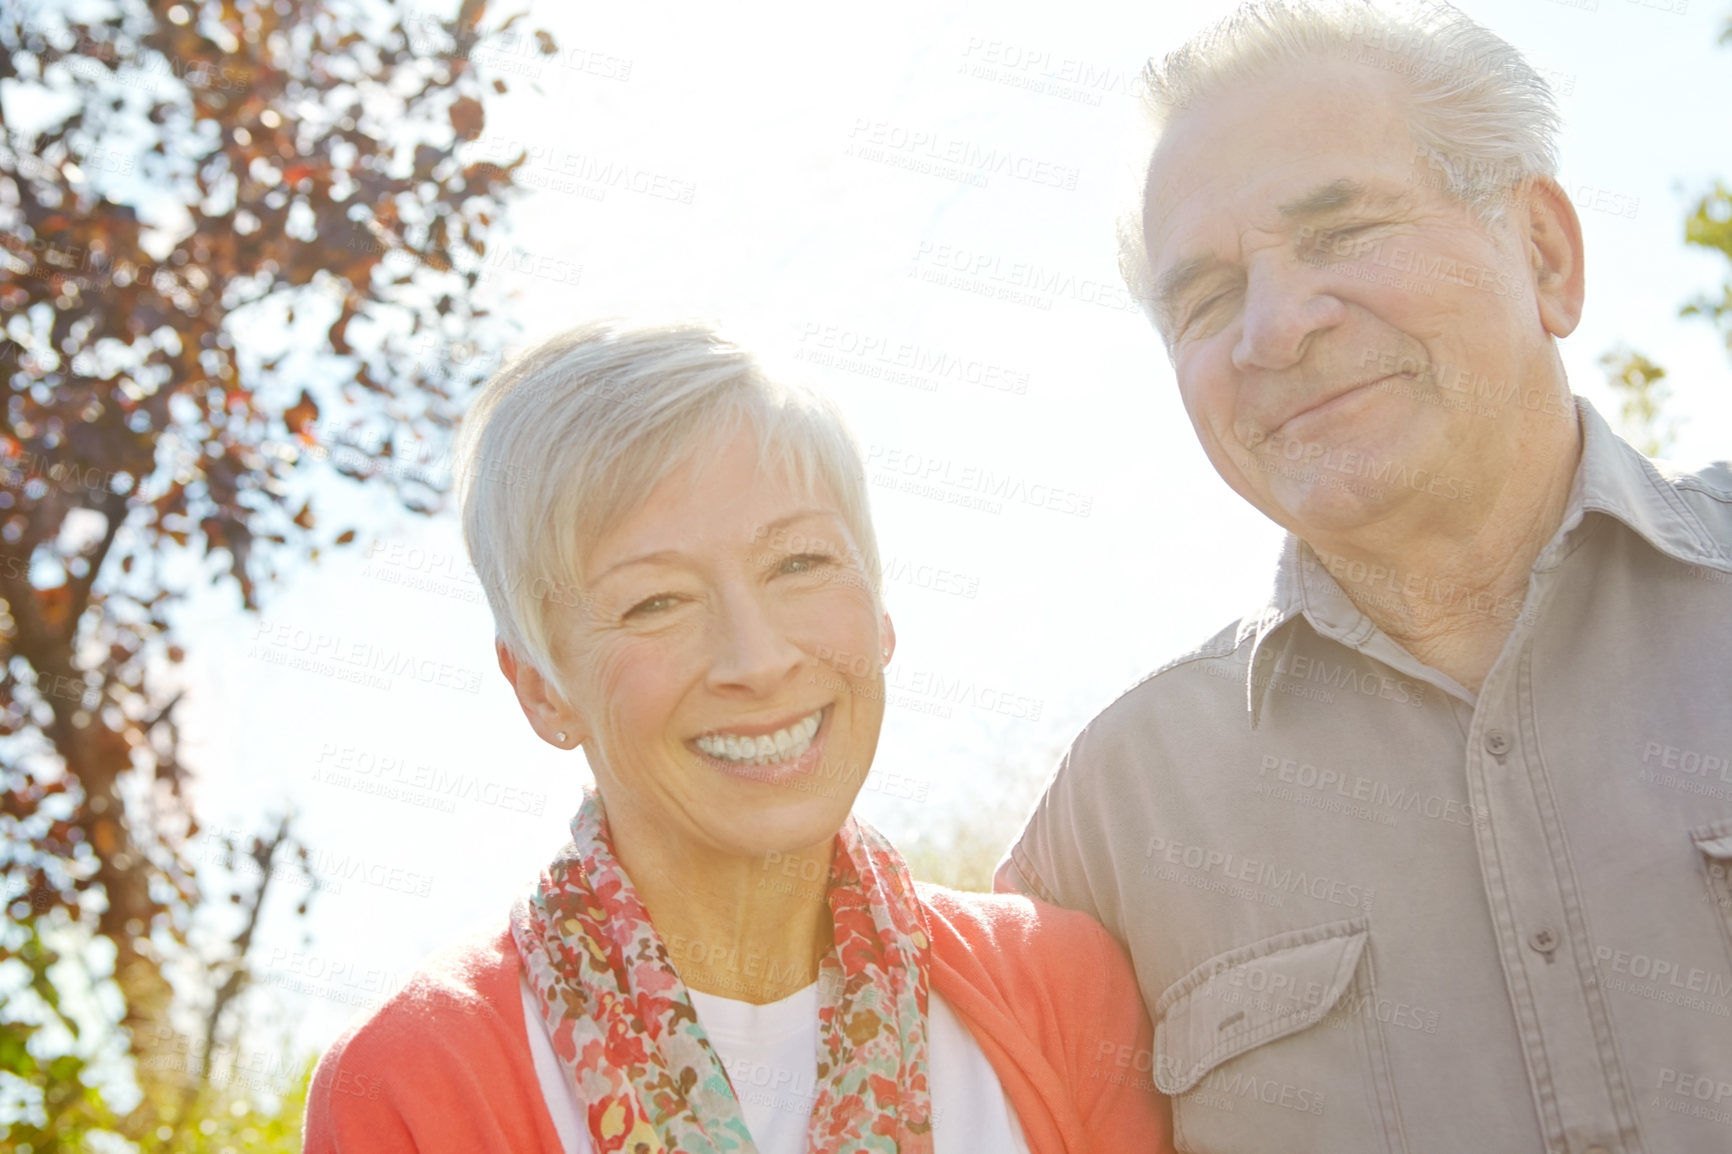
(570, 438)
(1481, 114)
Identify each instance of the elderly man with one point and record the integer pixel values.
(1430, 852)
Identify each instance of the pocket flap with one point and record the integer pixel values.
(1714, 840)
(1243, 998)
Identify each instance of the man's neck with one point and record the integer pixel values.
(1451, 593)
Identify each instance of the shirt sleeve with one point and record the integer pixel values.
(1047, 852)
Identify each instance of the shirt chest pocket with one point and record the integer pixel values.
(1279, 1038)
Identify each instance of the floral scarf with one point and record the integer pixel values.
(625, 1031)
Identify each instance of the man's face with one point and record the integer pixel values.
(1347, 338)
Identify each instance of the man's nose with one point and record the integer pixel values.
(1285, 307)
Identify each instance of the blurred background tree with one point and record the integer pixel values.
(1635, 379)
(238, 249)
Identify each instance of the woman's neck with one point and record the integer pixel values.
(750, 929)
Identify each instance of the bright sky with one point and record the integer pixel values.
(752, 191)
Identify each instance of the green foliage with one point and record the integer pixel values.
(1637, 381)
(1709, 226)
(1635, 378)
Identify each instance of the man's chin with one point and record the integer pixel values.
(1329, 505)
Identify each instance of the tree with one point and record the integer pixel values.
(236, 235)
(1637, 382)
(1633, 377)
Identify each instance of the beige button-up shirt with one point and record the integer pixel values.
(1372, 912)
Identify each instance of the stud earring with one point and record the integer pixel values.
(561, 736)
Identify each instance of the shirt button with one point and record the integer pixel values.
(1543, 941)
(1496, 742)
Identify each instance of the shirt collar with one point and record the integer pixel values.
(1620, 482)
(1612, 478)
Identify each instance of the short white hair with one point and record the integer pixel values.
(1484, 117)
(571, 437)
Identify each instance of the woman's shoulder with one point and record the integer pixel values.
(1001, 922)
(432, 1064)
(1053, 1000)
(472, 981)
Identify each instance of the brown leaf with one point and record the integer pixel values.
(467, 117)
(304, 413)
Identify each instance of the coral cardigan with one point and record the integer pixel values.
(444, 1066)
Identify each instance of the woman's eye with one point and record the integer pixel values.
(805, 562)
(651, 605)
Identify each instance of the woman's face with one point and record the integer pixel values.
(726, 670)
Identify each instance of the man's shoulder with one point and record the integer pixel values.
(1706, 490)
(1213, 671)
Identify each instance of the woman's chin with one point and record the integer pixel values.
(762, 821)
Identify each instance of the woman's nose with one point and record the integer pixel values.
(752, 649)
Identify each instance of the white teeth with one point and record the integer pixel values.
(784, 745)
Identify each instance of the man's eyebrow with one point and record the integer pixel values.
(1176, 280)
(1338, 195)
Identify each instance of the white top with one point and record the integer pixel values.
(771, 1055)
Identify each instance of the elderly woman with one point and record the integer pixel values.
(683, 573)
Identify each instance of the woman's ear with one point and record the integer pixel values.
(888, 644)
(549, 715)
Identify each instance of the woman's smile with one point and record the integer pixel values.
(770, 752)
